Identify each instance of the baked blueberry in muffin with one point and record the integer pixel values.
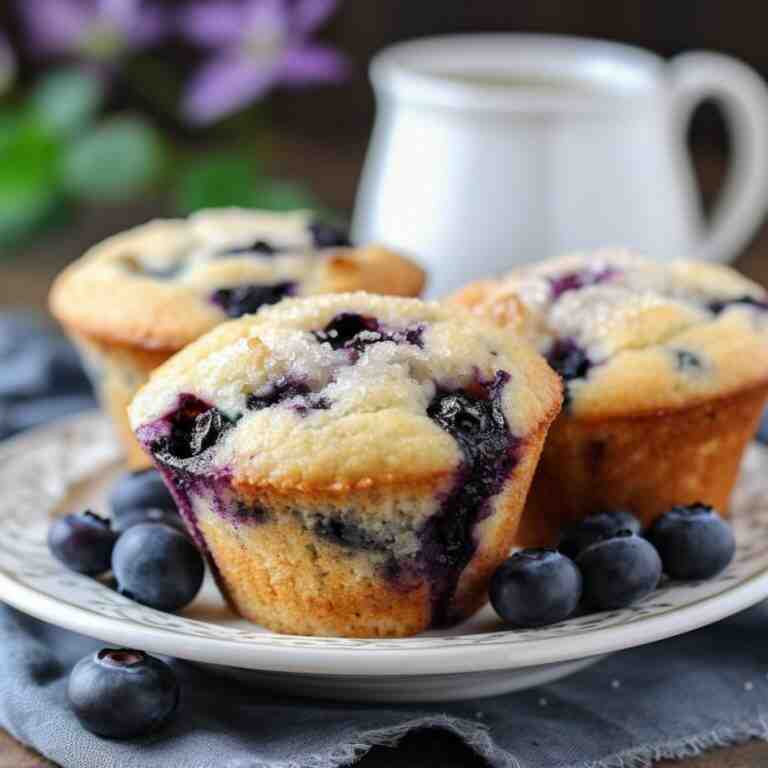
(135, 299)
(666, 372)
(351, 464)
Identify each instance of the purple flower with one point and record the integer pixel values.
(7, 65)
(100, 31)
(256, 44)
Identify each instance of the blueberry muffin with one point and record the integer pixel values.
(666, 375)
(139, 297)
(351, 464)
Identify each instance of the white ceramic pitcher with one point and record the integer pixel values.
(490, 150)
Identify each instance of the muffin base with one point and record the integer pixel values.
(644, 463)
(117, 372)
(277, 573)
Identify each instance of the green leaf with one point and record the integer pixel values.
(278, 195)
(218, 181)
(114, 161)
(227, 179)
(30, 159)
(68, 99)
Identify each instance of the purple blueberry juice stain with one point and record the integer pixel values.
(182, 445)
(474, 418)
(349, 330)
(402, 574)
(240, 513)
(720, 305)
(287, 388)
(575, 281)
(246, 299)
(191, 432)
(348, 534)
(183, 487)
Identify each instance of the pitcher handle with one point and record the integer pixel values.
(743, 96)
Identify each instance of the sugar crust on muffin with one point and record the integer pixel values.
(631, 335)
(165, 283)
(375, 413)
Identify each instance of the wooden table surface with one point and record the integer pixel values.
(24, 281)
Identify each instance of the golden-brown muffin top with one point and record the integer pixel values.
(339, 391)
(630, 335)
(165, 283)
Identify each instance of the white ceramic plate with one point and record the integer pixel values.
(69, 465)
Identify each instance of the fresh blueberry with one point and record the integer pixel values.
(577, 536)
(127, 518)
(693, 542)
(328, 236)
(158, 566)
(247, 299)
(619, 571)
(120, 693)
(135, 490)
(82, 542)
(535, 587)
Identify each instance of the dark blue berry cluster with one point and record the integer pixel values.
(287, 388)
(123, 693)
(603, 562)
(474, 417)
(242, 300)
(355, 332)
(145, 544)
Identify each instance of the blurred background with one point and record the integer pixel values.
(110, 116)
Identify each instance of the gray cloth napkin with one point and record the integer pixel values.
(670, 699)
